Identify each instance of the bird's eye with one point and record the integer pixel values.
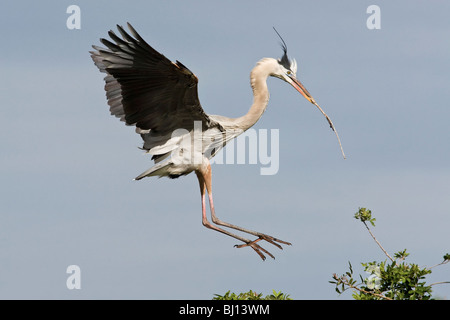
(289, 72)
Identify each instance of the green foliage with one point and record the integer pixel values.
(364, 215)
(394, 280)
(387, 281)
(252, 296)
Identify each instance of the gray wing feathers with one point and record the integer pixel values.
(146, 89)
(112, 87)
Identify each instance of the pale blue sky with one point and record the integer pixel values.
(67, 165)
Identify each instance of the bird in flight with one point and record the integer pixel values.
(160, 98)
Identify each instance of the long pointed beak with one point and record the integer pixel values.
(300, 88)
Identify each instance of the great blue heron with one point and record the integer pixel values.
(160, 98)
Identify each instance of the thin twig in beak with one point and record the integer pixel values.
(331, 126)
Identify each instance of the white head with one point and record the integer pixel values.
(287, 71)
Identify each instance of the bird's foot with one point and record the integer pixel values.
(259, 250)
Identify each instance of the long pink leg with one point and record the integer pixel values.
(207, 224)
(204, 177)
(261, 236)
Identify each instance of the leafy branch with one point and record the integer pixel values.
(251, 295)
(364, 215)
(396, 280)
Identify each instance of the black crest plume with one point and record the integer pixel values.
(284, 61)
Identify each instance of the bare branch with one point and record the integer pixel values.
(379, 244)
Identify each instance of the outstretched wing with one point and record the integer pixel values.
(146, 89)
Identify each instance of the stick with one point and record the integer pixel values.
(331, 126)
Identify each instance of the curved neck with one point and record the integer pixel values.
(258, 81)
